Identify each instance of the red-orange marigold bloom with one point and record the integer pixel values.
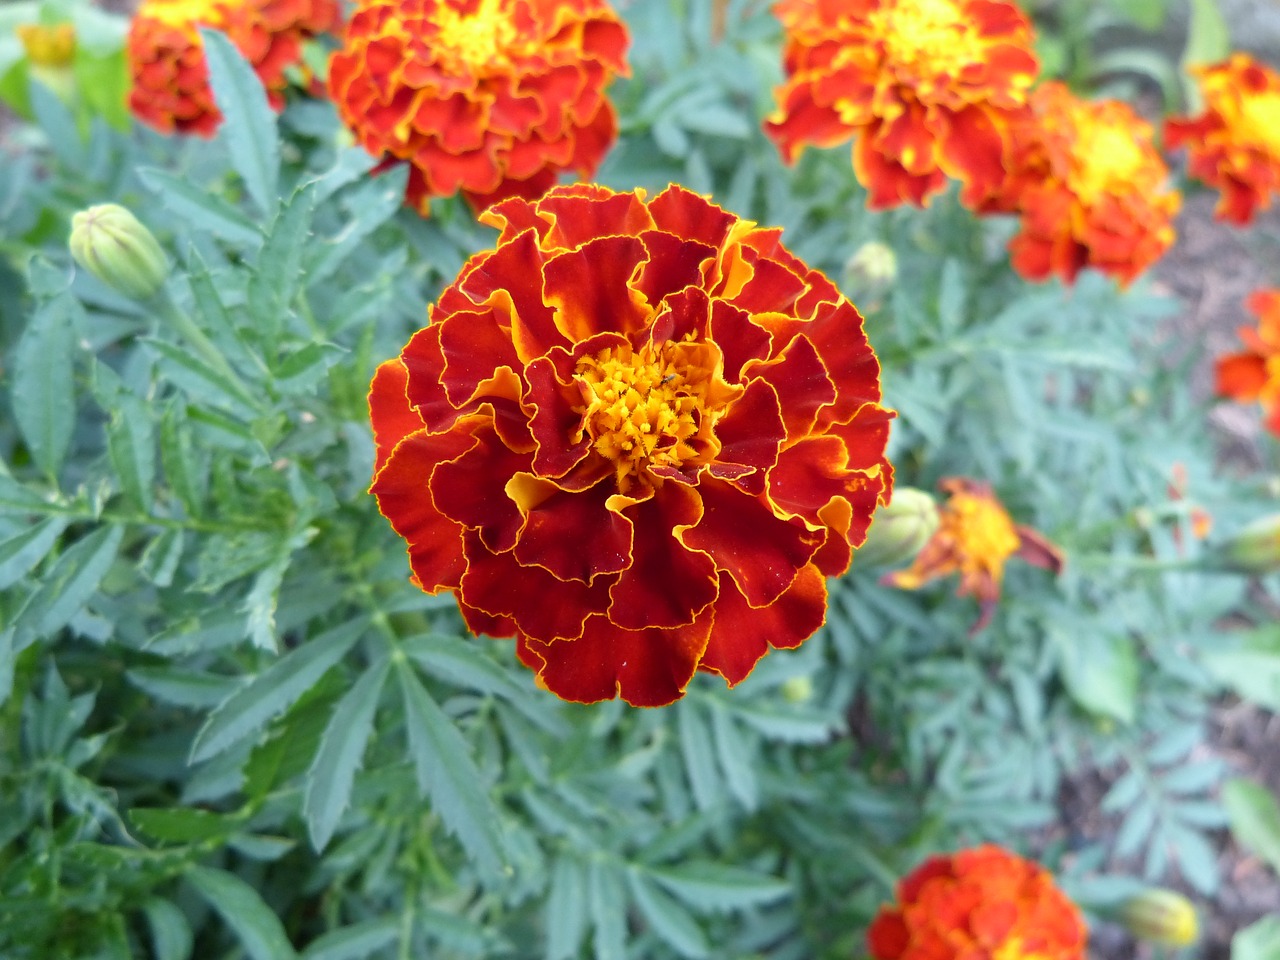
(1234, 145)
(924, 85)
(637, 435)
(975, 538)
(491, 97)
(980, 904)
(1253, 375)
(1090, 188)
(170, 80)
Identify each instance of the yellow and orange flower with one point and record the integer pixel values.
(1253, 375)
(1090, 187)
(170, 80)
(1234, 145)
(975, 538)
(979, 904)
(926, 87)
(637, 435)
(491, 97)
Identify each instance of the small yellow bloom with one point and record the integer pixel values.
(48, 46)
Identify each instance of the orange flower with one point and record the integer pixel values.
(1089, 186)
(980, 904)
(1254, 374)
(637, 436)
(925, 86)
(1234, 145)
(975, 537)
(170, 89)
(491, 97)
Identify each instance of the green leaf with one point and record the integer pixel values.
(58, 124)
(183, 688)
(131, 439)
(159, 561)
(70, 584)
(717, 888)
(667, 918)
(180, 366)
(1100, 672)
(184, 468)
(1252, 671)
(607, 902)
(333, 771)
(1254, 817)
(1261, 941)
(22, 551)
(372, 203)
(103, 81)
(274, 282)
(199, 207)
(356, 942)
(16, 498)
(257, 927)
(449, 775)
(171, 937)
(182, 824)
(44, 403)
(699, 761)
(735, 758)
(248, 122)
(1208, 38)
(565, 916)
(273, 691)
(264, 595)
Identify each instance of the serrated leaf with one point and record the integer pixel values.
(667, 918)
(199, 207)
(131, 440)
(255, 925)
(372, 204)
(171, 937)
(789, 724)
(260, 603)
(735, 758)
(565, 916)
(160, 559)
(16, 498)
(22, 551)
(182, 824)
(183, 467)
(717, 888)
(248, 123)
(356, 942)
(273, 691)
(449, 776)
(1254, 817)
(606, 899)
(183, 688)
(342, 746)
(199, 380)
(42, 383)
(274, 282)
(70, 584)
(699, 761)
(1100, 672)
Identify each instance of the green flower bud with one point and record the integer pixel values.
(1255, 548)
(798, 689)
(899, 530)
(110, 242)
(869, 273)
(1161, 916)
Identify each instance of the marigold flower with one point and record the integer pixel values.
(926, 87)
(637, 435)
(491, 97)
(980, 904)
(48, 45)
(1254, 373)
(1234, 145)
(975, 538)
(1090, 188)
(170, 80)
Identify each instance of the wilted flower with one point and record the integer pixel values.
(1234, 145)
(900, 529)
(1254, 374)
(1090, 188)
(980, 904)
(491, 97)
(170, 80)
(637, 436)
(975, 538)
(110, 242)
(925, 86)
(1161, 916)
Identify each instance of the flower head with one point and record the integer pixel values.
(980, 904)
(491, 97)
(48, 45)
(1253, 375)
(1089, 186)
(925, 87)
(1234, 145)
(637, 435)
(975, 538)
(170, 80)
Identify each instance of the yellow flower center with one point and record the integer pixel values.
(985, 538)
(48, 46)
(475, 40)
(1259, 122)
(1011, 949)
(1107, 160)
(651, 407)
(184, 13)
(928, 37)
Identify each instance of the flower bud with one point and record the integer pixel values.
(798, 689)
(1255, 548)
(48, 46)
(899, 529)
(109, 242)
(1161, 916)
(870, 272)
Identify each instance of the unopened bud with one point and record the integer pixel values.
(798, 689)
(899, 529)
(1161, 916)
(110, 242)
(869, 273)
(1255, 548)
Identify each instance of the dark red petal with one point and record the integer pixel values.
(424, 366)
(674, 263)
(479, 622)
(666, 585)
(772, 288)
(742, 634)
(510, 280)
(802, 384)
(576, 536)
(476, 351)
(682, 315)
(647, 668)
(554, 423)
(471, 490)
(392, 417)
(589, 288)
(739, 338)
(752, 432)
(681, 212)
(888, 937)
